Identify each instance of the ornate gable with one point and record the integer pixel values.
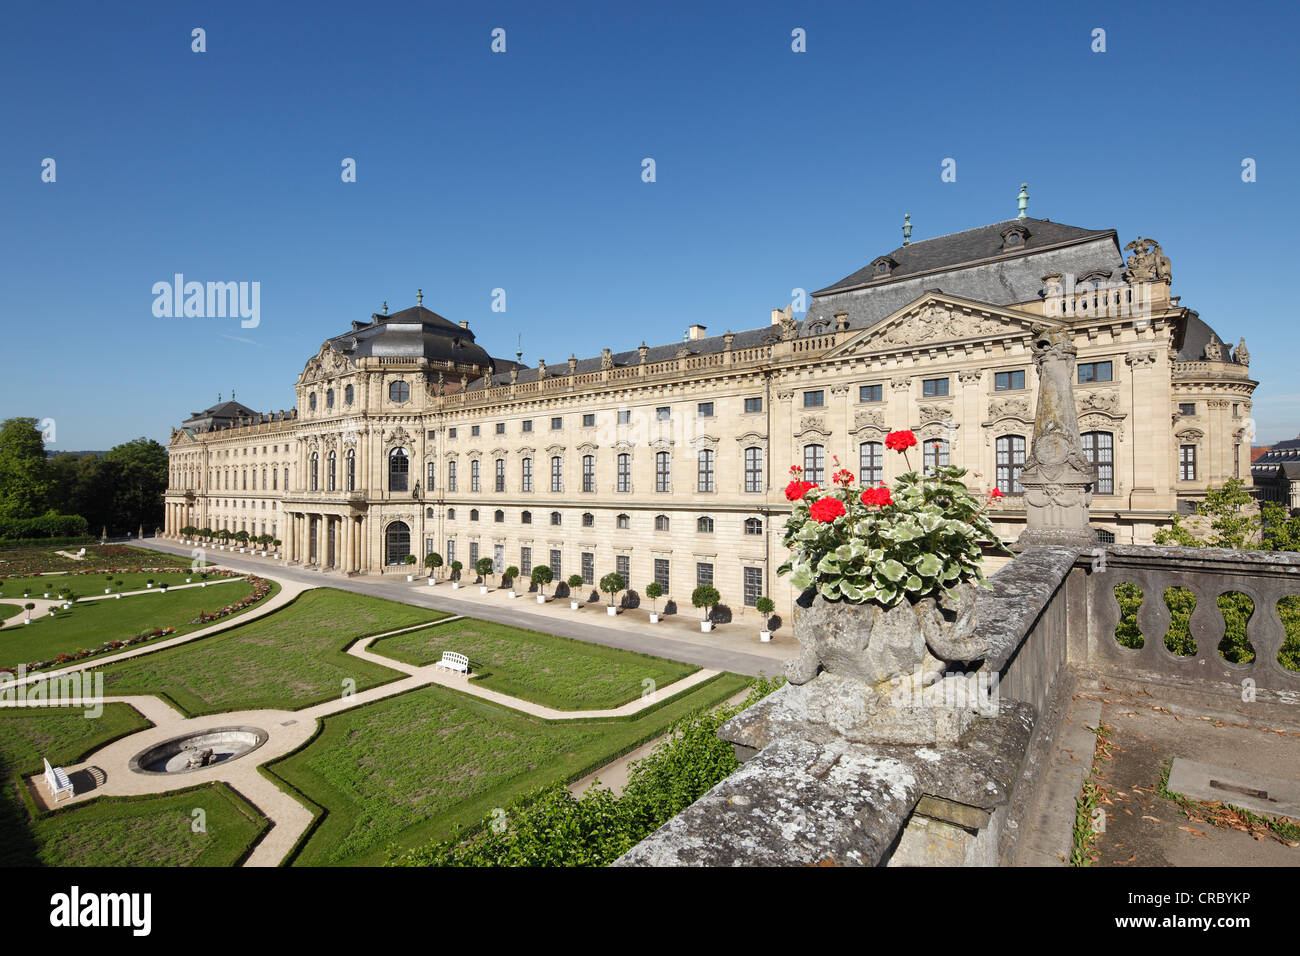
(327, 363)
(935, 319)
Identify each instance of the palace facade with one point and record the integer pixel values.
(668, 462)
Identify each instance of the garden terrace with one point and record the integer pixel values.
(1050, 623)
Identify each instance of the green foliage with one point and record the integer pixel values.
(456, 568)
(26, 484)
(1181, 603)
(654, 591)
(48, 525)
(433, 560)
(706, 596)
(541, 575)
(1280, 531)
(484, 567)
(511, 574)
(575, 581)
(1232, 516)
(551, 827)
(612, 584)
(928, 540)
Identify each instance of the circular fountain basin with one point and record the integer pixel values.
(198, 750)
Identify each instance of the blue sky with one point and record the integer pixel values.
(522, 171)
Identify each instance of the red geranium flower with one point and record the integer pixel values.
(877, 496)
(842, 477)
(900, 441)
(827, 509)
(797, 489)
(996, 493)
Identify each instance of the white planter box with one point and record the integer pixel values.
(764, 636)
(432, 582)
(482, 589)
(541, 599)
(573, 605)
(203, 584)
(654, 618)
(513, 595)
(611, 610)
(455, 585)
(108, 590)
(117, 597)
(410, 578)
(148, 585)
(706, 626)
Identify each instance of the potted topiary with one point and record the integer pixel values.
(541, 576)
(275, 543)
(108, 584)
(706, 596)
(28, 608)
(574, 582)
(654, 591)
(149, 583)
(765, 606)
(203, 580)
(511, 574)
(408, 561)
(433, 561)
(484, 567)
(612, 584)
(455, 575)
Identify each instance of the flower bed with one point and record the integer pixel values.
(39, 574)
(261, 587)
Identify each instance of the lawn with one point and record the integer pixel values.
(90, 585)
(9, 610)
(409, 769)
(40, 560)
(88, 624)
(287, 660)
(554, 671)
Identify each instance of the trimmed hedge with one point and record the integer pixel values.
(45, 526)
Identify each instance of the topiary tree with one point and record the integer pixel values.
(765, 606)
(574, 582)
(612, 584)
(541, 576)
(485, 567)
(706, 596)
(512, 572)
(654, 591)
(455, 570)
(28, 607)
(409, 559)
(433, 561)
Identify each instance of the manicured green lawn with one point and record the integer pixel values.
(554, 671)
(290, 659)
(91, 585)
(9, 610)
(158, 830)
(88, 624)
(39, 560)
(403, 771)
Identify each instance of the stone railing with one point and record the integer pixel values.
(804, 797)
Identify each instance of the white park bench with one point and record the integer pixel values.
(453, 662)
(57, 780)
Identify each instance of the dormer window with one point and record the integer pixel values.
(883, 266)
(1013, 237)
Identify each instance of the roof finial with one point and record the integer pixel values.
(519, 349)
(419, 297)
(385, 312)
(232, 394)
(1023, 200)
(907, 229)
(218, 398)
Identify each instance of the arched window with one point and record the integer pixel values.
(399, 392)
(1099, 449)
(525, 517)
(704, 525)
(428, 512)
(451, 476)
(705, 470)
(871, 462)
(499, 516)
(397, 543)
(350, 463)
(555, 517)
(451, 514)
(399, 467)
(936, 454)
(754, 469)
(528, 474)
(263, 480)
(814, 462)
(588, 472)
(588, 519)
(661, 522)
(331, 460)
(275, 479)
(473, 514)
(473, 475)
(753, 526)
(1010, 462)
(624, 472)
(501, 474)
(329, 398)
(557, 473)
(311, 401)
(315, 471)
(663, 472)
(623, 522)
(348, 394)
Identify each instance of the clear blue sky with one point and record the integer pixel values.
(522, 170)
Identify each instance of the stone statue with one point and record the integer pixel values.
(1214, 349)
(1241, 354)
(643, 350)
(514, 375)
(416, 492)
(1148, 261)
(606, 360)
(573, 364)
(541, 369)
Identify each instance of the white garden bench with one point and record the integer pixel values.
(57, 780)
(453, 662)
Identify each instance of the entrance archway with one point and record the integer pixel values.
(397, 543)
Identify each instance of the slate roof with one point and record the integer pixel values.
(414, 333)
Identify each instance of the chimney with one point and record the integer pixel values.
(464, 325)
(696, 332)
(777, 315)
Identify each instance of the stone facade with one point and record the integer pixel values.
(649, 447)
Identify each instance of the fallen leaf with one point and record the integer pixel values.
(1152, 819)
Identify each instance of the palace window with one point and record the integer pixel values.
(557, 473)
(528, 474)
(1010, 463)
(705, 476)
(1008, 381)
(754, 469)
(623, 566)
(624, 472)
(525, 562)
(473, 516)
(528, 424)
(625, 416)
(557, 424)
(753, 586)
(871, 461)
(399, 392)
(753, 405)
(331, 461)
(663, 471)
(315, 471)
(1099, 449)
(704, 525)
(350, 465)
(753, 526)
(1186, 408)
(555, 518)
(588, 472)
(451, 514)
(429, 479)
(814, 461)
(934, 387)
(451, 476)
(661, 522)
(329, 398)
(501, 474)
(499, 517)
(703, 574)
(501, 428)
(348, 394)
(589, 421)
(474, 484)
(936, 454)
(398, 470)
(704, 410)
(525, 517)
(871, 393)
(1094, 372)
(557, 569)
(661, 573)
(588, 519)
(588, 568)
(1186, 462)
(311, 401)
(814, 399)
(473, 431)
(622, 522)
(451, 432)
(664, 413)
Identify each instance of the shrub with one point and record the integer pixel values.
(611, 584)
(541, 576)
(512, 572)
(455, 570)
(706, 596)
(484, 567)
(765, 606)
(654, 591)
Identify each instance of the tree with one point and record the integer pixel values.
(1228, 518)
(765, 606)
(512, 572)
(139, 478)
(455, 570)
(574, 582)
(26, 482)
(611, 584)
(654, 591)
(541, 576)
(484, 567)
(706, 596)
(433, 561)
(1281, 531)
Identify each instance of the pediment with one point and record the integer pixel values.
(326, 363)
(937, 319)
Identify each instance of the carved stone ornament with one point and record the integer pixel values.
(1010, 408)
(514, 376)
(937, 323)
(1214, 349)
(1141, 359)
(970, 377)
(606, 360)
(1148, 262)
(1241, 355)
(869, 419)
(901, 382)
(812, 423)
(541, 369)
(935, 412)
(1097, 400)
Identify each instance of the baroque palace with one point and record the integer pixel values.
(668, 462)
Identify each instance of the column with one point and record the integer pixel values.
(346, 563)
(320, 540)
(290, 552)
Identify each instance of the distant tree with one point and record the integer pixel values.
(26, 482)
(1228, 518)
